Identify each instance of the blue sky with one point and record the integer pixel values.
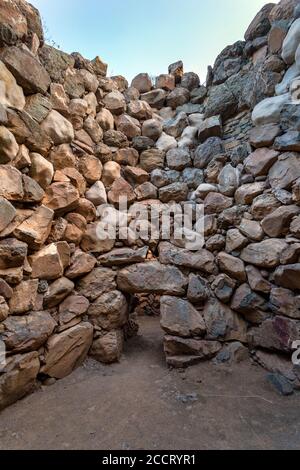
(135, 36)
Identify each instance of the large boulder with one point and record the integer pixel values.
(27, 70)
(201, 260)
(27, 333)
(260, 25)
(50, 262)
(277, 223)
(67, 350)
(260, 161)
(291, 42)
(187, 351)
(8, 146)
(178, 97)
(80, 264)
(222, 323)
(180, 318)
(58, 128)
(57, 292)
(7, 213)
(12, 253)
(288, 276)
(61, 197)
(142, 82)
(115, 102)
(285, 171)
(232, 266)
(109, 311)
(265, 254)
(97, 282)
(152, 277)
(277, 334)
(268, 111)
(18, 378)
(108, 348)
(36, 228)
(24, 297)
(11, 183)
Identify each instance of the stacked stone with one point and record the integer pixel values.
(73, 141)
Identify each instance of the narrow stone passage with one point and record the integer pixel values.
(140, 404)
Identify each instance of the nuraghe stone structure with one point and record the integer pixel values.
(72, 141)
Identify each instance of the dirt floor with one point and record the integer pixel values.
(140, 404)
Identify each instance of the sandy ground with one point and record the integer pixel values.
(140, 404)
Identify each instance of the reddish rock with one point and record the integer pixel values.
(288, 276)
(264, 136)
(128, 125)
(86, 209)
(140, 110)
(57, 292)
(275, 334)
(259, 162)
(73, 307)
(108, 348)
(232, 266)
(165, 81)
(128, 156)
(49, 263)
(80, 264)
(11, 183)
(152, 159)
(28, 332)
(277, 223)
(215, 203)
(120, 189)
(142, 83)
(61, 198)
(24, 297)
(67, 350)
(96, 283)
(35, 229)
(27, 70)
(285, 302)
(98, 238)
(18, 377)
(248, 192)
(109, 311)
(256, 281)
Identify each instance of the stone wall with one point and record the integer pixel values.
(72, 141)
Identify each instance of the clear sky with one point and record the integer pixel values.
(135, 36)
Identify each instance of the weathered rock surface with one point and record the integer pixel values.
(27, 333)
(67, 350)
(152, 277)
(180, 318)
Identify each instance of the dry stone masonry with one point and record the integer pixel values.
(73, 141)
